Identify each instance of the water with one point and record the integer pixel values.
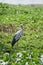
(22, 1)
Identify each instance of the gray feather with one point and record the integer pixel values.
(18, 34)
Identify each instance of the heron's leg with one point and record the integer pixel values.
(16, 45)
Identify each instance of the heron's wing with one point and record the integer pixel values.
(17, 36)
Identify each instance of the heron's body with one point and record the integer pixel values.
(17, 36)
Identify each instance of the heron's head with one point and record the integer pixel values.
(21, 26)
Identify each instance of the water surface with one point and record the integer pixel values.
(22, 1)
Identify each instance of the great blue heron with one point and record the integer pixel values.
(17, 35)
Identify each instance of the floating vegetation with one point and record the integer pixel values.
(29, 50)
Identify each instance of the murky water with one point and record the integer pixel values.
(22, 1)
